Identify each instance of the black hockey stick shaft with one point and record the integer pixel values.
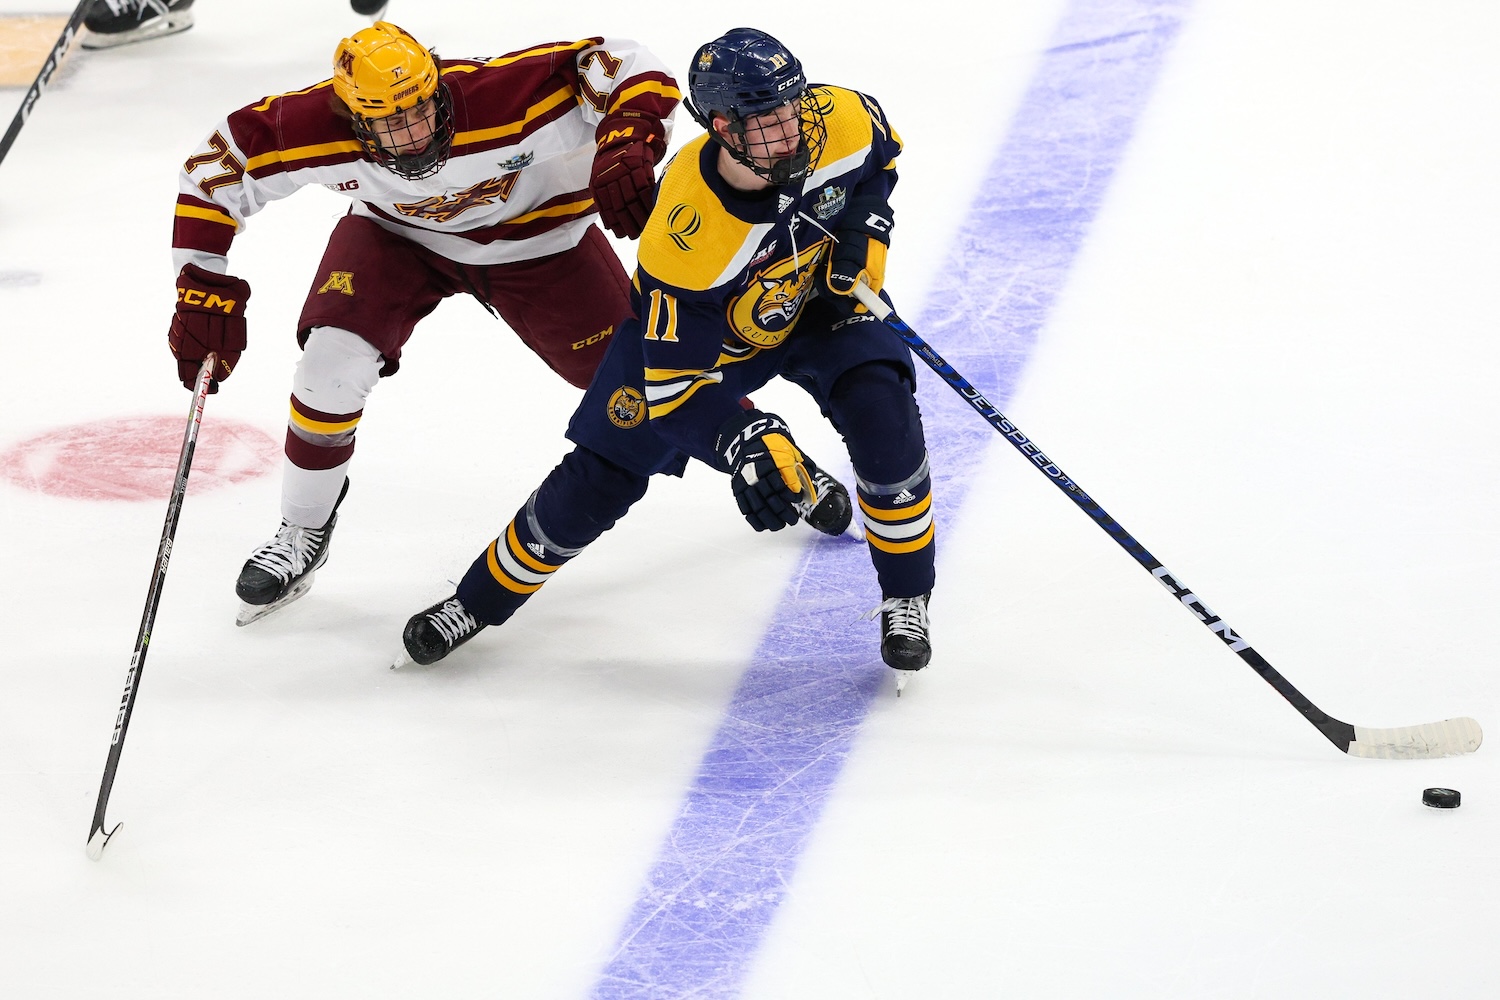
(54, 60)
(1341, 734)
(98, 837)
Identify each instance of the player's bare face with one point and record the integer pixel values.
(407, 132)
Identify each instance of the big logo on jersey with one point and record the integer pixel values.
(764, 314)
(445, 209)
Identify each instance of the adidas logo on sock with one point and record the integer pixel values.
(537, 549)
(905, 496)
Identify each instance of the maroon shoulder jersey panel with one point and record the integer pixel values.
(562, 110)
(305, 119)
(488, 97)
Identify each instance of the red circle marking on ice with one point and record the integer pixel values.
(135, 458)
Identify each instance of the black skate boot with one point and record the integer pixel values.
(904, 642)
(432, 634)
(280, 571)
(833, 511)
(120, 22)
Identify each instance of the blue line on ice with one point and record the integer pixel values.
(732, 851)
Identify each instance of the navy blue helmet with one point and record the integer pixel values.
(746, 73)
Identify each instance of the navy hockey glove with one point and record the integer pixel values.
(766, 469)
(623, 181)
(210, 317)
(859, 254)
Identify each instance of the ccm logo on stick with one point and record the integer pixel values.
(1203, 611)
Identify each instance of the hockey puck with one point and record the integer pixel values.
(1441, 798)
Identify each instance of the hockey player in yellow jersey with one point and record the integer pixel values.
(762, 229)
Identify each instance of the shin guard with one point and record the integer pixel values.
(900, 532)
(873, 407)
(578, 501)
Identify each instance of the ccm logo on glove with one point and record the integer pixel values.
(623, 180)
(210, 317)
(766, 469)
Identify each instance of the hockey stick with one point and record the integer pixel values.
(1436, 739)
(98, 837)
(54, 60)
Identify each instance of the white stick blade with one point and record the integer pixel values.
(1448, 738)
(98, 840)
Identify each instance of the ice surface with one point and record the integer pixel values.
(1270, 358)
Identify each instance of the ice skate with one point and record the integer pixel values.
(432, 634)
(905, 645)
(120, 22)
(369, 8)
(281, 571)
(833, 513)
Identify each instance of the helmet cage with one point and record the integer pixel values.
(812, 137)
(423, 163)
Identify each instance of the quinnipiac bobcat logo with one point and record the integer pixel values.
(627, 407)
(765, 313)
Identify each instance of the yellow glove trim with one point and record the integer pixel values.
(788, 459)
(874, 271)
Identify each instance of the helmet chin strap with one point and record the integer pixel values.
(790, 168)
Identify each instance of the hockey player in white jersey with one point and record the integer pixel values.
(476, 176)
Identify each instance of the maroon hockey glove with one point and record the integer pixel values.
(210, 317)
(767, 471)
(623, 181)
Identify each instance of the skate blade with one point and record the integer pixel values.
(166, 24)
(855, 532)
(255, 612)
(902, 676)
(402, 659)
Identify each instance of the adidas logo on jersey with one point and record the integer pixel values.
(905, 496)
(783, 203)
(537, 549)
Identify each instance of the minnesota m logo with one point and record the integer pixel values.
(339, 281)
